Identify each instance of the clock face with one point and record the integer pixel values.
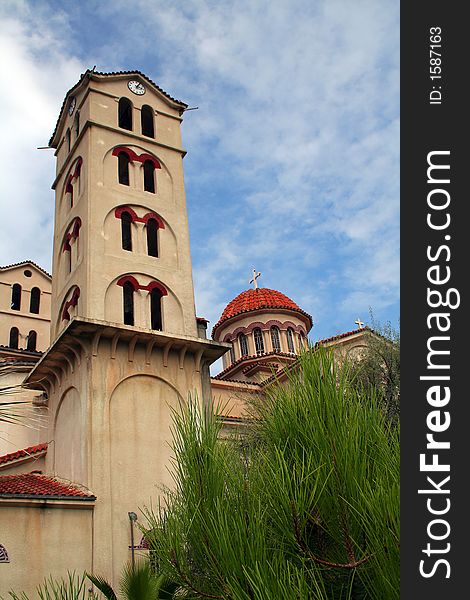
(136, 87)
(73, 101)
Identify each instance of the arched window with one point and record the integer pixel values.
(3, 554)
(67, 139)
(146, 117)
(126, 231)
(152, 237)
(14, 336)
(128, 301)
(123, 168)
(302, 340)
(259, 342)
(156, 309)
(35, 300)
(243, 344)
(232, 353)
(16, 297)
(125, 114)
(275, 339)
(32, 340)
(290, 340)
(76, 124)
(149, 176)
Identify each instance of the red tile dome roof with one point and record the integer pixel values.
(257, 299)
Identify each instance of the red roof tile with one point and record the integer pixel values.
(32, 484)
(25, 452)
(256, 299)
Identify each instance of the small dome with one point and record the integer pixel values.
(257, 299)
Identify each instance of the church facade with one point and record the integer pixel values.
(109, 345)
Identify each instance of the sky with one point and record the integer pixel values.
(293, 151)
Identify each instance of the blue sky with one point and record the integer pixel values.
(293, 153)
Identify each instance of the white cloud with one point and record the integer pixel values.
(36, 72)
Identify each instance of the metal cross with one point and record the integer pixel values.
(255, 277)
(359, 323)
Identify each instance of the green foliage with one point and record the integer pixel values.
(71, 588)
(379, 367)
(306, 507)
(138, 582)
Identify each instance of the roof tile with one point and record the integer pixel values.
(25, 452)
(32, 484)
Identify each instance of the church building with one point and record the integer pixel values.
(109, 345)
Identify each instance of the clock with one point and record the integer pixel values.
(136, 87)
(72, 103)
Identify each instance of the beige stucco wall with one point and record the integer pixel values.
(23, 319)
(42, 540)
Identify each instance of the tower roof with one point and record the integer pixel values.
(97, 75)
(258, 299)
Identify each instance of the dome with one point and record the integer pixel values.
(258, 299)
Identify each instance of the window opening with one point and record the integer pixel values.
(152, 237)
(123, 168)
(259, 342)
(32, 340)
(3, 554)
(67, 138)
(77, 124)
(126, 231)
(35, 300)
(125, 114)
(16, 297)
(275, 339)
(14, 337)
(243, 344)
(290, 340)
(128, 300)
(146, 116)
(156, 309)
(149, 176)
(232, 353)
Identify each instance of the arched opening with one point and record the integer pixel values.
(126, 231)
(123, 168)
(243, 342)
(275, 338)
(32, 341)
(259, 342)
(232, 353)
(16, 297)
(3, 554)
(35, 300)
(146, 116)
(67, 139)
(149, 176)
(77, 124)
(128, 302)
(152, 237)
(156, 309)
(302, 340)
(290, 340)
(125, 114)
(14, 337)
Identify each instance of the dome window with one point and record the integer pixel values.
(259, 342)
(243, 344)
(276, 339)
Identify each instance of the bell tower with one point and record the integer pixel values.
(125, 345)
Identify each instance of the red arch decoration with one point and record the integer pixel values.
(130, 153)
(72, 234)
(133, 157)
(70, 303)
(135, 219)
(136, 285)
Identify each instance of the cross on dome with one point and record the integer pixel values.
(255, 277)
(359, 323)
